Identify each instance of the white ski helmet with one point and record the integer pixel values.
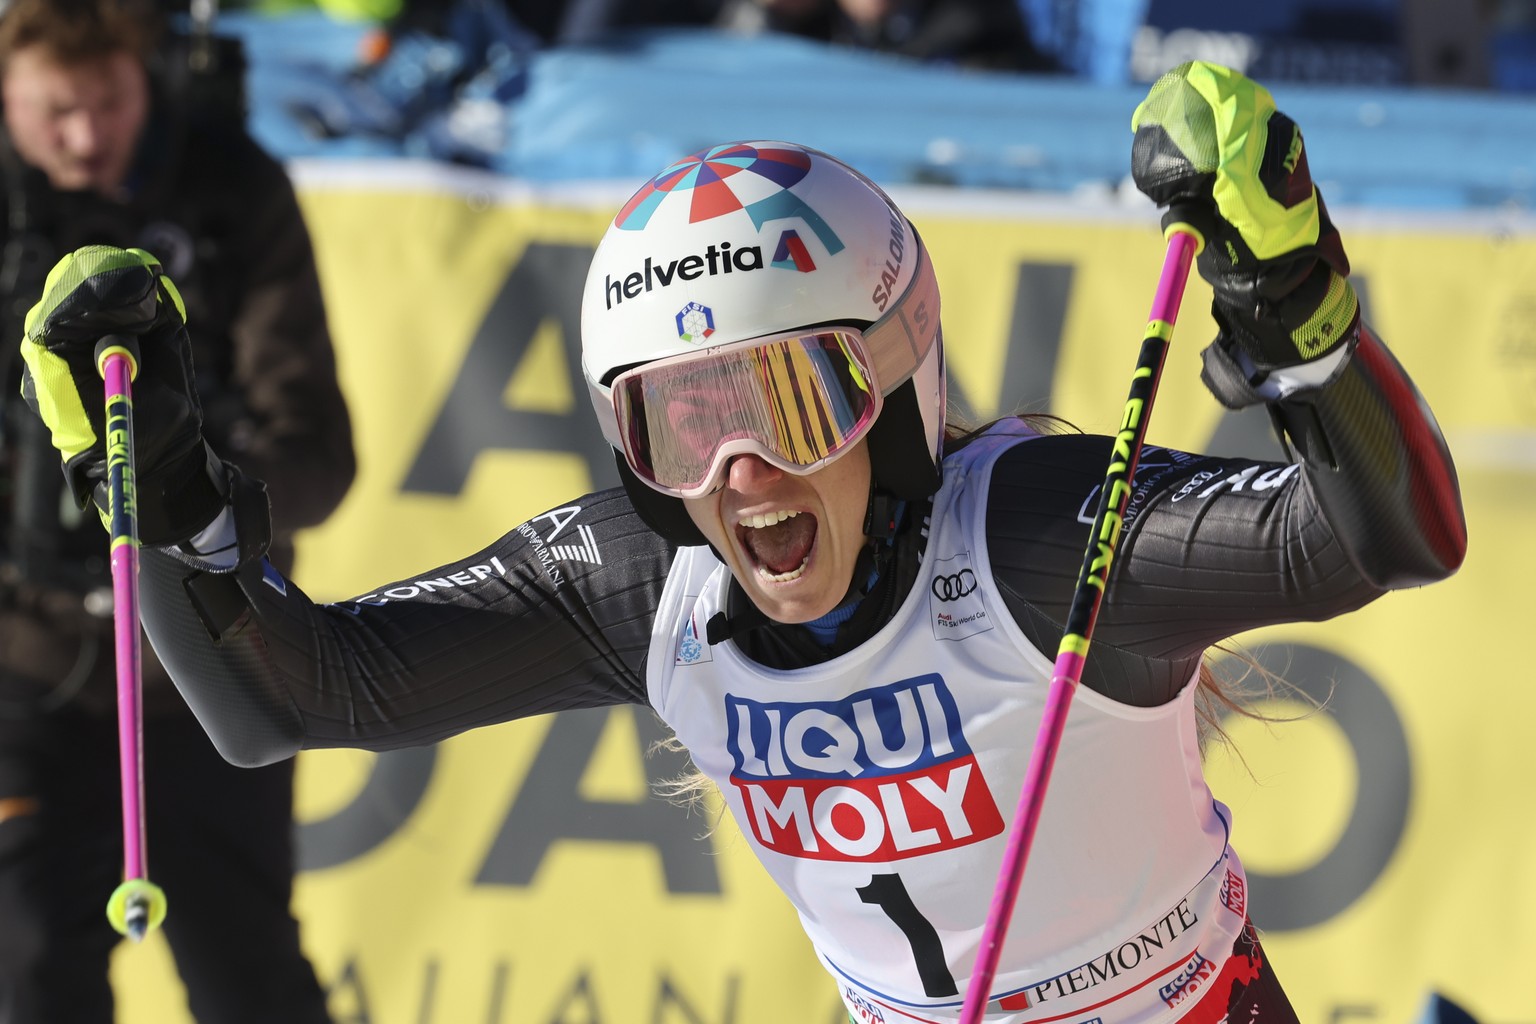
(751, 239)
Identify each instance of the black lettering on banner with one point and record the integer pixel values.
(545, 284)
(349, 990)
(549, 808)
(580, 993)
(1364, 712)
(1040, 297)
(428, 991)
(670, 1003)
(571, 1001)
(427, 1009)
(498, 991)
(395, 785)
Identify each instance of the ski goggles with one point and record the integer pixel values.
(798, 400)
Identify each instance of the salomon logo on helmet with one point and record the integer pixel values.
(890, 272)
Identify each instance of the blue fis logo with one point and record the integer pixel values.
(695, 322)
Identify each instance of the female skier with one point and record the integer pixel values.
(841, 608)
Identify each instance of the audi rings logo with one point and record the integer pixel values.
(958, 608)
(953, 588)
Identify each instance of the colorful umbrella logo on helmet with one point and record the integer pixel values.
(724, 179)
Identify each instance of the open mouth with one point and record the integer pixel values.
(778, 543)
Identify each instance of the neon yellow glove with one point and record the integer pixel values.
(1211, 146)
(91, 293)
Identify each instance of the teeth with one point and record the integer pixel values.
(762, 521)
(758, 522)
(783, 577)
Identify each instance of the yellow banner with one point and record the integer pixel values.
(523, 874)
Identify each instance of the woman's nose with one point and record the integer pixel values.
(747, 473)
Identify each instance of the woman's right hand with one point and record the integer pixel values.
(101, 291)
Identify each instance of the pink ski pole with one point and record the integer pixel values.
(137, 905)
(1183, 243)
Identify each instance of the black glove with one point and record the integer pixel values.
(1211, 146)
(98, 291)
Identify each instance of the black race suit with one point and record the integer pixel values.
(1212, 547)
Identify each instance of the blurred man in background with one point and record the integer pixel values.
(107, 138)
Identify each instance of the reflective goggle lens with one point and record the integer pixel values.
(797, 401)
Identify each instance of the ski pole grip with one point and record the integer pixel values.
(125, 345)
(1191, 218)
